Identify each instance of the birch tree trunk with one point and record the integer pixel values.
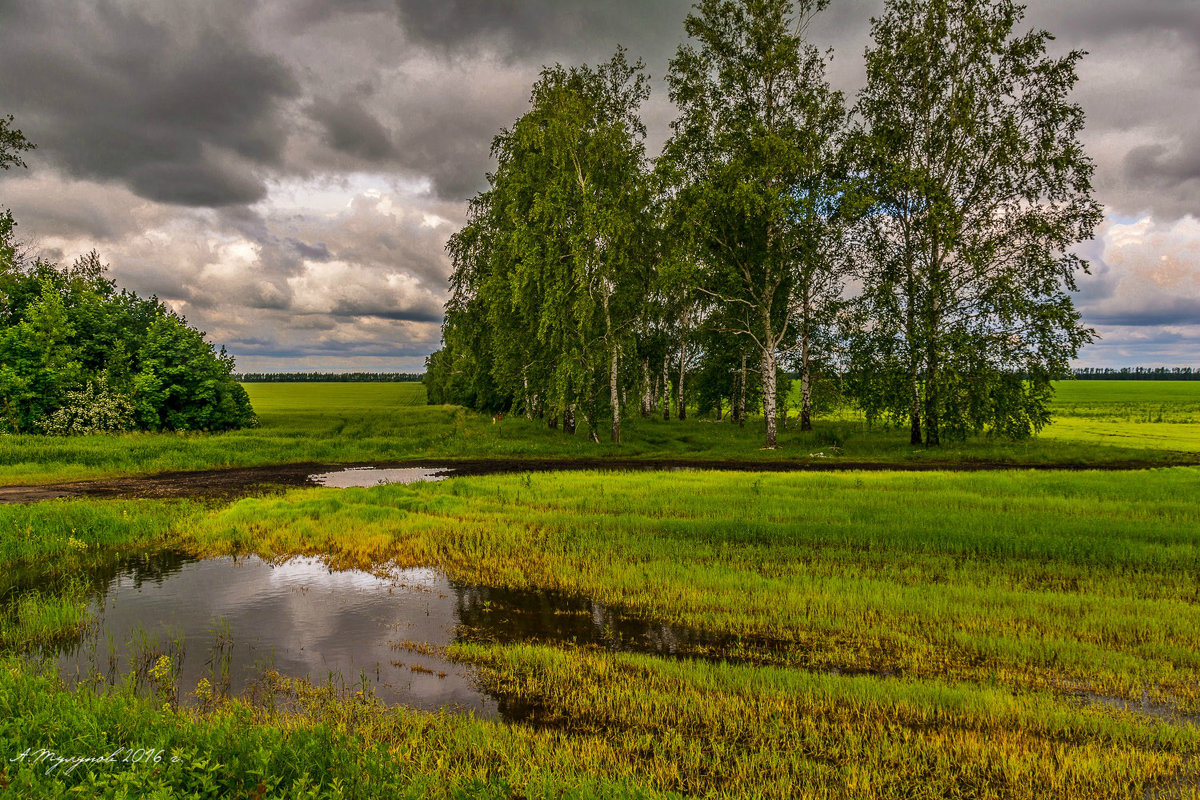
(932, 434)
(647, 391)
(666, 389)
(915, 414)
(614, 394)
(772, 421)
(932, 379)
(528, 401)
(910, 333)
(805, 386)
(679, 388)
(741, 414)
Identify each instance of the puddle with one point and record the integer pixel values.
(362, 477)
(229, 620)
(1144, 708)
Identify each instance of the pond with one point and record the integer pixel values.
(229, 620)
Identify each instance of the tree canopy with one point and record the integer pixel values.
(551, 266)
(979, 189)
(752, 161)
(77, 355)
(912, 254)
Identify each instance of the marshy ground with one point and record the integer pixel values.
(856, 633)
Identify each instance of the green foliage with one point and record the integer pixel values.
(388, 422)
(94, 409)
(78, 356)
(957, 203)
(39, 361)
(979, 189)
(550, 267)
(753, 161)
(182, 384)
(12, 144)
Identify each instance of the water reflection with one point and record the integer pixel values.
(360, 477)
(228, 620)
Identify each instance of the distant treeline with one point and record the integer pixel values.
(1138, 374)
(329, 377)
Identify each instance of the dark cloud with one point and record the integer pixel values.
(546, 26)
(346, 349)
(1181, 311)
(381, 309)
(1170, 174)
(351, 129)
(287, 171)
(1140, 86)
(1108, 19)
(302, 14)
(311, 252)
(178, 102)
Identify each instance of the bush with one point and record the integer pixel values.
(94, 409)
(77, 356)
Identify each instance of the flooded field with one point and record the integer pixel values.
(231, 620)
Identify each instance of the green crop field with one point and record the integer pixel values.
(1129, 414)
(1098, 423)
(866, 634)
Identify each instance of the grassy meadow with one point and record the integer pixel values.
(995, 634)
(1097, 423)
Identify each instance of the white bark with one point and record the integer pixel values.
(614, 395)
(769, 398)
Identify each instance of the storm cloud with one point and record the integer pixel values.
(178, 102)
(287, 172)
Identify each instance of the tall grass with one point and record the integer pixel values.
(1083, 581)
(898, 635)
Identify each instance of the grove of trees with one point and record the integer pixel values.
(911, 252)
(79, 356)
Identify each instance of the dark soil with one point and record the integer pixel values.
(245, 481)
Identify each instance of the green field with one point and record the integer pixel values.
(1099, 423)
(995, 634)
(1129, 414)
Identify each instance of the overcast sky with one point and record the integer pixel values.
(286, 172)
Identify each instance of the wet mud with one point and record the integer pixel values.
(237, 482)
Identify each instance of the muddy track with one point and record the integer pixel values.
(246, 481)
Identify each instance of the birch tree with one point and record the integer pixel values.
(554, 252)
(981, 189)
(754, 111)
